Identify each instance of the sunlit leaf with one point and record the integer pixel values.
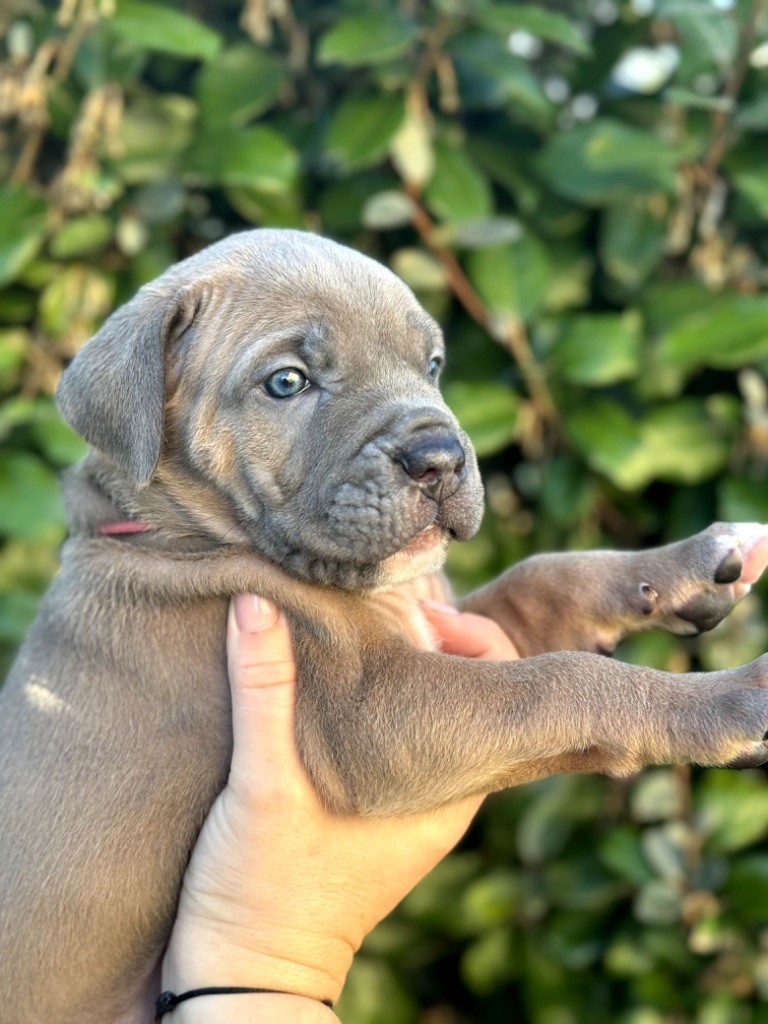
(538, 21)
(487, 411)
(238, 85)
(458, 189)
(599, 349)
(22, 230)
(164, 29)
(361, 129)
(365, 39)
(257, 157)
(31, 504)
(733, 332)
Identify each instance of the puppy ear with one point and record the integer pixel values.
(113, 391)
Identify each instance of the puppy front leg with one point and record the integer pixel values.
(417, 730)
(589, 600)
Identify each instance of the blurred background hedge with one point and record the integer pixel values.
(578, 192)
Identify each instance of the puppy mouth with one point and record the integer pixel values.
(423, 554)
(426, 541)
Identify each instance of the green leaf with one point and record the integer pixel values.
(658, 795)
(420, 270)
(55, 438)
(753, 116)
(153, 133)
(257, 157)
(599, 348)
(626, 958)
(490, 900)
(458, 189)
(490, 76)
(742, 500)
(731, 333)
(436, 901)
(697, 101)
(81, 236)
(14, 347)
(17, 610)
(238, 86)
(753, 186)
(374, 994)
(489, 963)
(659, 902)
(607, 162)
(540, 22)
(163, 29)
(621, 852)
(78, 296)
(747, 887)
(501, 162)
(366, 39)
(14, 412)
(512, 279)
(665, 848)
(480, 232)
(387, 210)
(22, 229)
(31, 505)
(708, 37)
(486, 410)
(266, 208)
(632, 238)
(360, 130)
(732, 809)
(679, 442)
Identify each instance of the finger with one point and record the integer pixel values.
(261, 642)
(472, 636)
(262, 675)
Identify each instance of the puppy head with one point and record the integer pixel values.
(296, 382)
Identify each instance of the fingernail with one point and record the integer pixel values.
(439, 606)
(254, 614)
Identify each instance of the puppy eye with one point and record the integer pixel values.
(286, 383)
(434, 366)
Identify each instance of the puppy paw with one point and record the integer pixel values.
(696, 583)
(726, 722)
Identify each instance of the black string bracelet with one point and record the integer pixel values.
(168, 1001)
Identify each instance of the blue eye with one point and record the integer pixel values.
(433, 367)
(286, 383)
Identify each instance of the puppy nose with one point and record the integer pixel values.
(436, 464)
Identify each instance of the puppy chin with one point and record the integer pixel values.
(422, 555)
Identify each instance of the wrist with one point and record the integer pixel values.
(246, 1008)
(199, 957)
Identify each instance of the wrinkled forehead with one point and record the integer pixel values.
(290, 281)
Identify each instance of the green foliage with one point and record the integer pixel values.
(503, 160)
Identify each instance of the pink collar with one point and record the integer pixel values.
(126, 526)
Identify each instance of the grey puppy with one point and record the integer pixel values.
(270, 409)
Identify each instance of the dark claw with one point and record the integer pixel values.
(729, 569)
(749, 760)
(765, 737)
(607, 650)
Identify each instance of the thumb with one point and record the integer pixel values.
(262, 675)
(471, 636)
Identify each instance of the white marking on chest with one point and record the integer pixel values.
(43, 699)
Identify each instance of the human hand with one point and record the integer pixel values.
(279, 893)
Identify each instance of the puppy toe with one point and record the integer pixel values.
(730, 568)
